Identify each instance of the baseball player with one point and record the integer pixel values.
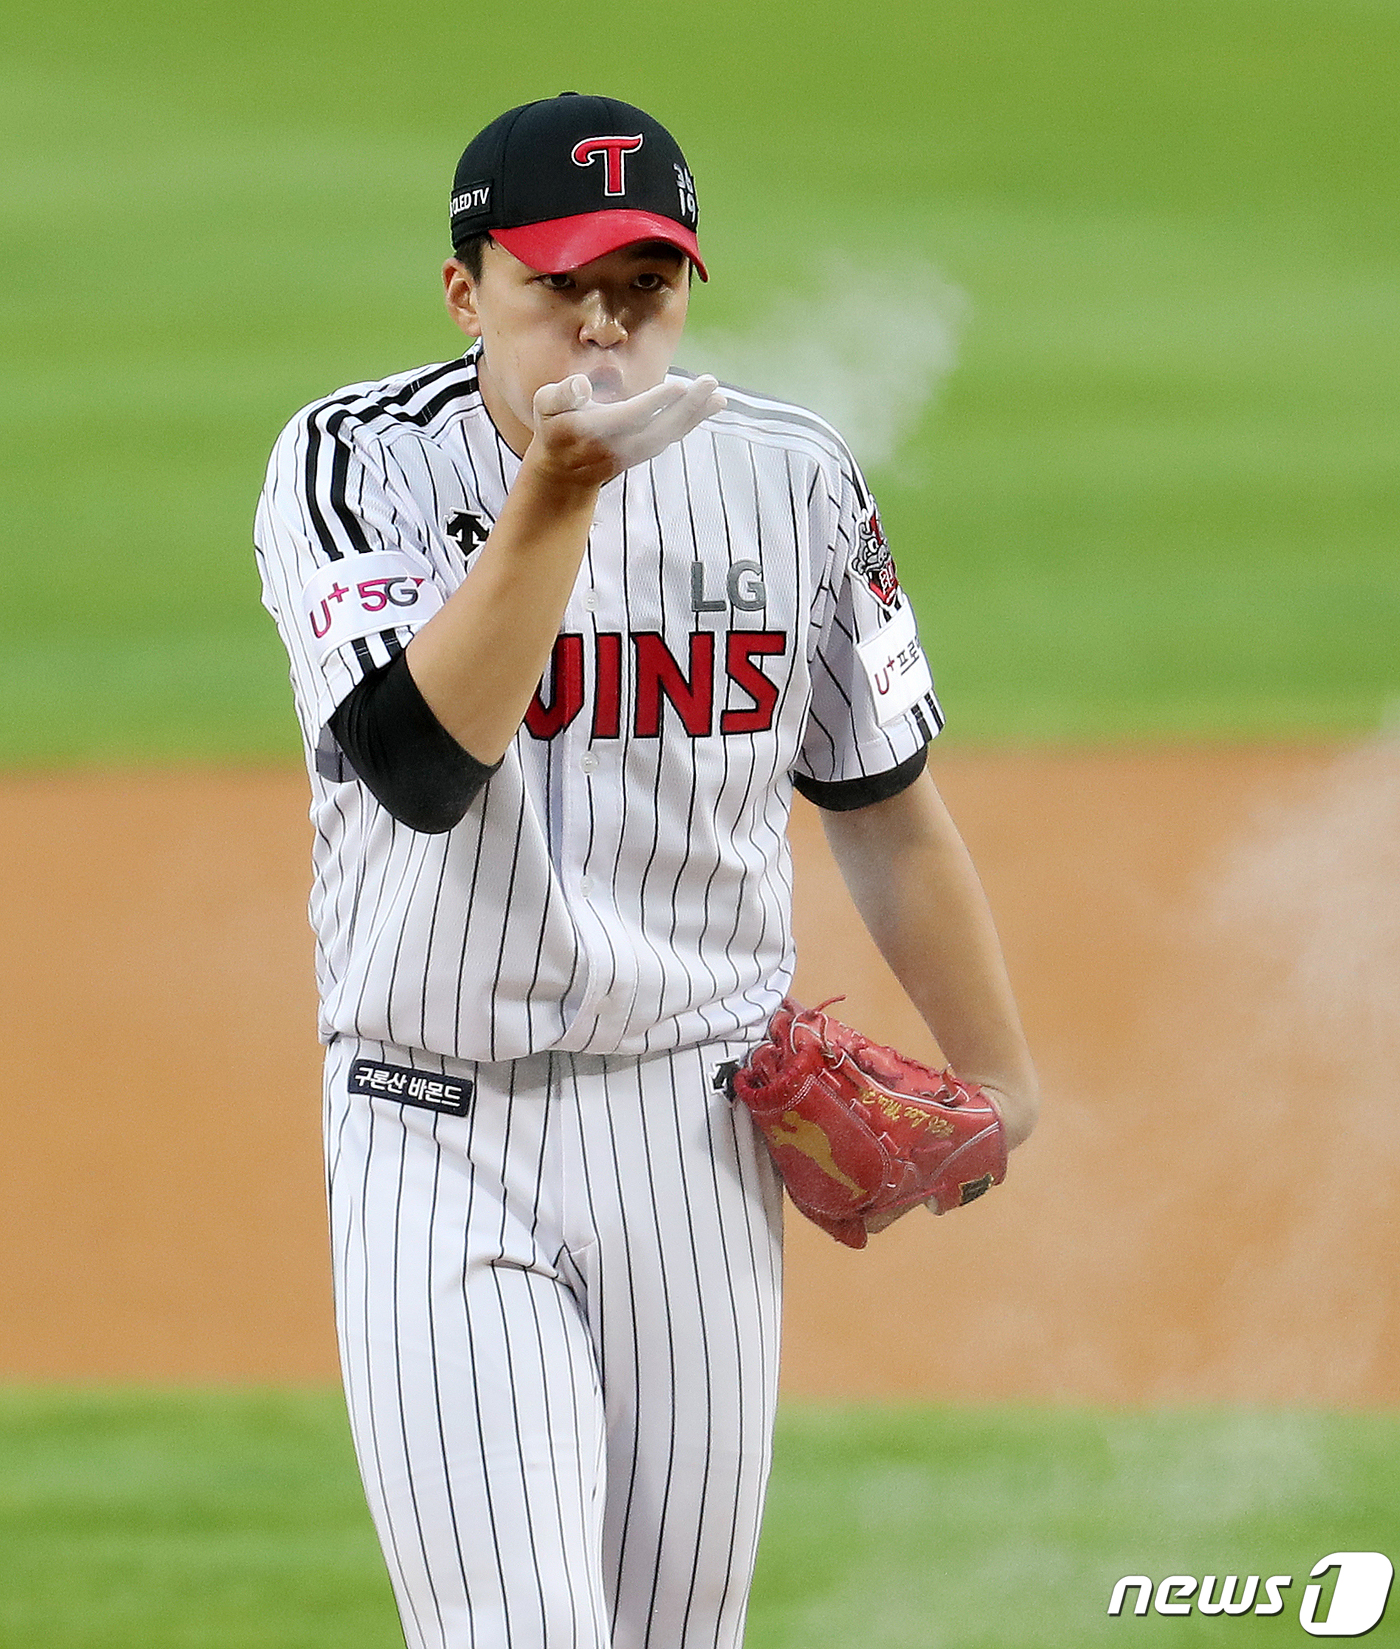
(566, 628)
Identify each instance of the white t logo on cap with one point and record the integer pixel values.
(612, 149)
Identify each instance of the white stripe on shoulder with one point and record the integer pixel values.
(416, 398)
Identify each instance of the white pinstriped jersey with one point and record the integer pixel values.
(622, 883)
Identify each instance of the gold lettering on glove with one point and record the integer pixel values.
(813, 1141)
(898, 1111)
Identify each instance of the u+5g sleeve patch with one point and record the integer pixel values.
(364, 595)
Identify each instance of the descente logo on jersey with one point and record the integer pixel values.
(467, 530)
(657, 678)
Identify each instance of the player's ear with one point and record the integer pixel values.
(459, 294)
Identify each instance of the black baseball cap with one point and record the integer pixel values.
(567, 179)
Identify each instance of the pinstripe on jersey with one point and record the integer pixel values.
(622, 883)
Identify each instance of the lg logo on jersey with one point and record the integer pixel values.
(743, 589)
(657, 678)
(1357, 1604)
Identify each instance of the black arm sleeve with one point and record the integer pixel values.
(848, 794)
(407, 759)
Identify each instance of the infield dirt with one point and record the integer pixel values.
(1206, 945)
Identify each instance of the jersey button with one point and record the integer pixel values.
(585, 885)
(590, 601)
(589, 763)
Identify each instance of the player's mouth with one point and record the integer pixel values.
(608, 383)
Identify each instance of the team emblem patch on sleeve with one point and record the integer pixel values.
(873, 561)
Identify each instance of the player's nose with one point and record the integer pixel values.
(601, 325)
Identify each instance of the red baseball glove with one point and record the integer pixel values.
(858, 1130)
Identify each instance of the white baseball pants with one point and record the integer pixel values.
(558, 1320)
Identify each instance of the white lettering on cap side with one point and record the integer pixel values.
(475, 199)
(685, 188)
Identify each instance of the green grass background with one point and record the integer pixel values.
(1158, 497)
(200, 1520)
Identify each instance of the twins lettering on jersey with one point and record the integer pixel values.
(655, 676)
(711, 675)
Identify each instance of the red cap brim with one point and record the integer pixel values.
(566, 243)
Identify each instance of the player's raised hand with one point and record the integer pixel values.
(583, 439)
